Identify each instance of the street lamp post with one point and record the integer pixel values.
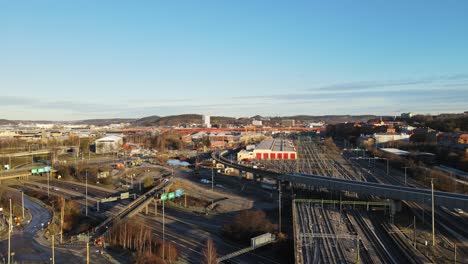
(164, 234)
(10, 227)
(86, 193)
(433, 222)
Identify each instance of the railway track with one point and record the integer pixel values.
(366, 256)
(320, 228)
(384, 255)
(335, 243)
(454, 226)
(379, 246)
(409, 253)
(318, 249)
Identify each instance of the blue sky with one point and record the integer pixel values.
(68, 60)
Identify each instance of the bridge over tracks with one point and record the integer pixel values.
(395, 192)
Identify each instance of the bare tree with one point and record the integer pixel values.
(209, 253)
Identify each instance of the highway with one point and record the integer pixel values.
(30, 245)
(26, 153)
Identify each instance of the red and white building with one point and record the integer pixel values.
(275, 149)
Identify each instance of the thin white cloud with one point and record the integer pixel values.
(365, 85)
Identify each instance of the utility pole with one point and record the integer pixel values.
(87, 252)
(405, 175)
(433, 222)
(358, 256)
(53, 249)
(279, 206)
(414, 231)
(62, 216)
(164, 234)
(388, 167)
(455, 253)
(10, 228)
(22, 202)
(212, 178)
(86, 190)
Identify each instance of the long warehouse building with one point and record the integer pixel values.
(279, 149)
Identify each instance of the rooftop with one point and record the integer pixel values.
(276, 145)
(395, 151)
(109, 139)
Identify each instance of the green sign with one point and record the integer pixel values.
(171, 195)
(34, 171)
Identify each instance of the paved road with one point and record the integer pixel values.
(28, 244)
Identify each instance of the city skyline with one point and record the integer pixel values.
(73, 61)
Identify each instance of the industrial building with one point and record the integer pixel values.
(108, 144)
(271, 149)
(381, 139)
